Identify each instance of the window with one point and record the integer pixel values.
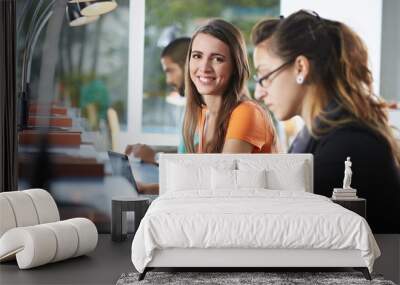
(153, 24)
(91, 63)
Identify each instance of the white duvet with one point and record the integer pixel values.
(253, 218)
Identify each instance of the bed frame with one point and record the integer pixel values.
(242, 259)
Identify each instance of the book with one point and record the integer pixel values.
(341, 190)
(345, 194)
(344, 197)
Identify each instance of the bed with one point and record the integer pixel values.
(243, 211)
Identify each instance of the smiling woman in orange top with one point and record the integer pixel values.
(224, 119)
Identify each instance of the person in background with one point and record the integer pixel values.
(318, 69)
(173, 59)
(217, 112)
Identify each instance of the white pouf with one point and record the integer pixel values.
(7, 218)
(30, 230)
(37, 245)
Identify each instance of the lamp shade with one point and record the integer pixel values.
(99, 7)
(74, 15)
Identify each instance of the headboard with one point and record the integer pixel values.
(282, 164)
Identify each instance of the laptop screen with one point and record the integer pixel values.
(120, 166)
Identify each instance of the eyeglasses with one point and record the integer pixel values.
(263, 80)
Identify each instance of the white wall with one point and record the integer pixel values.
(390, 64)
(364, 17)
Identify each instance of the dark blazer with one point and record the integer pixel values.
(375, 174)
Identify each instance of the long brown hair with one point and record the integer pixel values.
(339, 67)
(231, 36)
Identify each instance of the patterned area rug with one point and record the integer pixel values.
(242, 278)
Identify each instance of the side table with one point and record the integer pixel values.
(358, 205)
(121, 205)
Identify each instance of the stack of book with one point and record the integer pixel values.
(344, 194)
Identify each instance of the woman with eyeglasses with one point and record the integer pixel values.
(318, 69)
(216, 73)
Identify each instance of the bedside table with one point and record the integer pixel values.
(358, 205)
(121, 205)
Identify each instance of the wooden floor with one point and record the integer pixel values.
(103, 266)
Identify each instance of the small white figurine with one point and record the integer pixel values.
(347, 174)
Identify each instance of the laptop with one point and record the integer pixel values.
(121, 166)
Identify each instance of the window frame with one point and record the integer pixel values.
(134, 132)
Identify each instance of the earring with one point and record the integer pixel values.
(300, 79)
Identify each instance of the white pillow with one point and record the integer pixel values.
(282, 174)
(185, 175)
(251, 178)
(222, 179)
(182, 178)
(292, 179)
